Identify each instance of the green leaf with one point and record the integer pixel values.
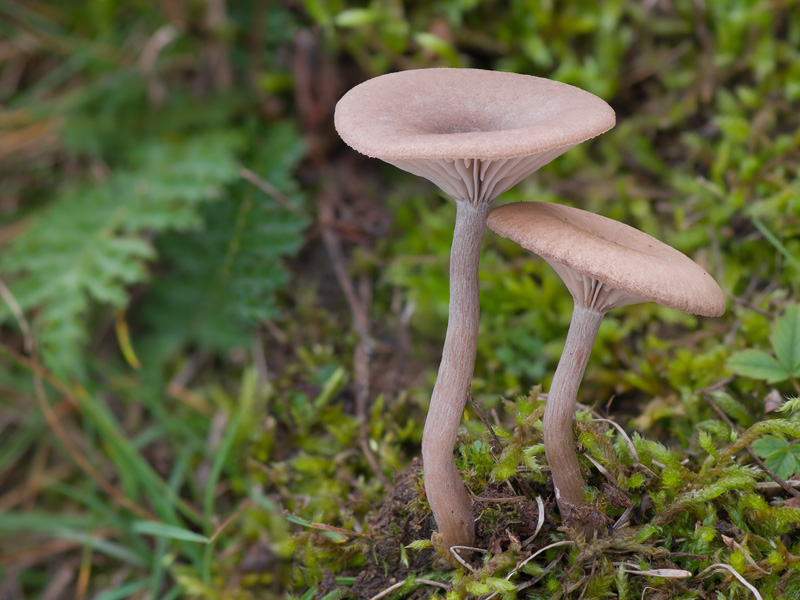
(94, 240)
(785, 339)
(778, 455)
(168, 531)
(766, 445)
(784, 463)
(758, 365)
(356, 17)
(221, 281)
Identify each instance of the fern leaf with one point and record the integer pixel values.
(222, 280)
(93, 242)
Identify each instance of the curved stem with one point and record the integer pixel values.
(449, 500)
(559, 442)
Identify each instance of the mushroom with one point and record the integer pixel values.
(475, 134)
(605, 264)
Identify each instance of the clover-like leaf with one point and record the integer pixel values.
(779, 456)
(758, 365)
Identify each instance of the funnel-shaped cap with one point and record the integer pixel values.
(474, 133)
(605, 263)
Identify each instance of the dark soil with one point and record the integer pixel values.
(504, 518)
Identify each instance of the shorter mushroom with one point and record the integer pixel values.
(605, 264)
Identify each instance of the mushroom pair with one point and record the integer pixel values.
(475, 134)
(605, 264)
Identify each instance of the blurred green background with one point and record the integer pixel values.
(214, 312)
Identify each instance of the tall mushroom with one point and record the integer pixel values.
(475, 134)
(605, 264)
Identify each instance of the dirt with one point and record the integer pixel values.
(401, 519)
(503, 516)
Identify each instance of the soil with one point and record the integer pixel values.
(503, 517)
(399, 522)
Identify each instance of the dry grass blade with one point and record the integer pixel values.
(530, 558)
(16, 310)
(624, 435)
(602, 469)
(539, 522)
(666, 573)
(460, 559)
(400, 584)
(39, 375)
(716, 567)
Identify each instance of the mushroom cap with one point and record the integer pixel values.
(467, 114)
(474, 133)
(597, 256)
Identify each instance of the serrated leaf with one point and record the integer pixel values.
(221, 281)
(758, 365)
(783, 463)
(766, 445)
(94, 241)
(778, 455)
(785, 339)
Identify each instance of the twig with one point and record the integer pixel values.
(24, 557)
(364, 348)
(246, 503)
(270, 190)
(750, 305)
(33, 486)
(772, 485)
(717, 386)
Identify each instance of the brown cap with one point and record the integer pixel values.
(605, 263)
(474, 133)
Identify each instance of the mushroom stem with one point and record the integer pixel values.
(449, 500)
(559, 441)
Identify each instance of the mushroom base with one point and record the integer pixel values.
(559, 440)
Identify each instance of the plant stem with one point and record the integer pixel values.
(449, 500)
(559, 442)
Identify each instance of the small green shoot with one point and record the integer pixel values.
(173, 532)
